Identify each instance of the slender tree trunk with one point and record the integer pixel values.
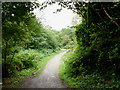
(5, 71)
(12, 58)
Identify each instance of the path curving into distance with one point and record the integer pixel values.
(49, 77)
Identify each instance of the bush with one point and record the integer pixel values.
(23, 60)
(27, 59)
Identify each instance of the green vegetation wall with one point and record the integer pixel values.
(24, 37)
(98, 39)
(98, 42)
(14, 30)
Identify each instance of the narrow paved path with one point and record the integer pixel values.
(49, 77)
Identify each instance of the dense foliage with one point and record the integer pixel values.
(25, 41)
(95, 62)
(66, 38)
(14, 31)
(22, 32)
(96, 59)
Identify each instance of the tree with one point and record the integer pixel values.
(76, 20)
(66, 36)
(98, 42)
(15, 30)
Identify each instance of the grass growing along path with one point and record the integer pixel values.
(21, 76)
(64, 69)
(49, 77)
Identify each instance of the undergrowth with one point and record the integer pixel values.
(37, 62)
(83, 80)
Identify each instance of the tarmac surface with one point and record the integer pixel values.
(49, 77)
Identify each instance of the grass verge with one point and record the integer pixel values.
(64, 70)
(16, 80)
(83, 80)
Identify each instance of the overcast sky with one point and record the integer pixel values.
(57, 20)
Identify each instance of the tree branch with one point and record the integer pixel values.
(108, 15)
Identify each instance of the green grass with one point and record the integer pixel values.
(64, 70)
(66, 73)
(21, 76)
(83, 80)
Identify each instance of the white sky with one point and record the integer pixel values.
(57, 20)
